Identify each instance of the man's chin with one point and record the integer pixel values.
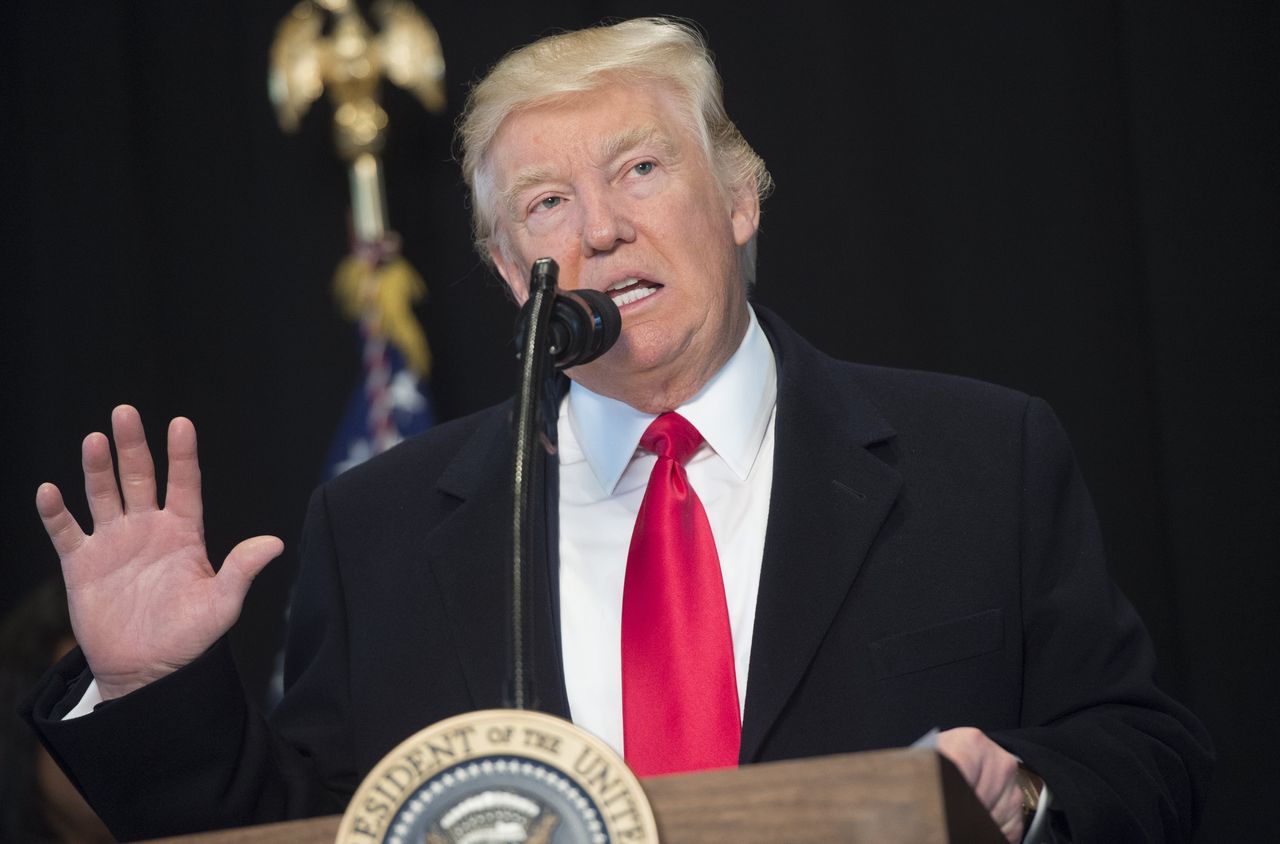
(609, 374)
(601, 375)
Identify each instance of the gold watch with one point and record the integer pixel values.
(1030, 784)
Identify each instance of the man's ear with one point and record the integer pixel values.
(510, 271)
(745, 212)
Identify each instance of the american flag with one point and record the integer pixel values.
(390, 405)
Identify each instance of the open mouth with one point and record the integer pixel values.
(632, 290)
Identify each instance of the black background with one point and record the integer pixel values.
(1078, 200)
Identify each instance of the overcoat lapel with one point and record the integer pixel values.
(469, 556)
(829, 499)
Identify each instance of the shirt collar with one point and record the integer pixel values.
(731, 412)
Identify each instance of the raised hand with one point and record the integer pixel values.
(143, 597)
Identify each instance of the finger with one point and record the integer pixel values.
(182, 495)
(100, 479)
(1007, 814)
(63, 529)
(988, 768)
(239, 569)
(999, 770)
(957, 745)
(985, 783)
(137, 471)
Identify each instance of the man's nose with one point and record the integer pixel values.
(604, 224)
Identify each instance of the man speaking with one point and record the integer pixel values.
(766, 552)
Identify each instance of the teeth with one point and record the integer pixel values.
(626, 282)
(633, 295)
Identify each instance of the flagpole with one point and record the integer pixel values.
(375, 286)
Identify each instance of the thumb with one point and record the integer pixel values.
(242, 565)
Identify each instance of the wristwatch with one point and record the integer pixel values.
(1030, 784)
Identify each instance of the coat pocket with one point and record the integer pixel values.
(938, 644)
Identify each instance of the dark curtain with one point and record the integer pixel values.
(1081, 201)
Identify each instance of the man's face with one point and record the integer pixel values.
(615, 187)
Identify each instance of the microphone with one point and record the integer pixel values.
(565, 329)
(584, 324)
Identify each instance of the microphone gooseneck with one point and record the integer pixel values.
(560, 329)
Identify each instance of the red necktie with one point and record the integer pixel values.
(679, 690)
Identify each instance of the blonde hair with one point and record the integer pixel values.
(636, 51)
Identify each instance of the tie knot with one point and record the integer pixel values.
(671, 435)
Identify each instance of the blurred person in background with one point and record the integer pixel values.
(38, 803)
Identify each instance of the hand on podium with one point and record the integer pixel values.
(143, 597)
(992, 773)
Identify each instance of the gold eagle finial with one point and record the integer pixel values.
(349, 62)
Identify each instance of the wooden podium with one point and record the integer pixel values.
(886, 797)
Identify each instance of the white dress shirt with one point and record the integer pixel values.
(602, 482)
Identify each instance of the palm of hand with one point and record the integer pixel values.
(143, 596)
(126, 615)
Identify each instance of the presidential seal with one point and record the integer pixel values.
(501, 776)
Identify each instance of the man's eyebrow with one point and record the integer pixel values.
(525, 179)
(636, 136)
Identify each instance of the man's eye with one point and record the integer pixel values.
(548, 202)
(644, 168)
